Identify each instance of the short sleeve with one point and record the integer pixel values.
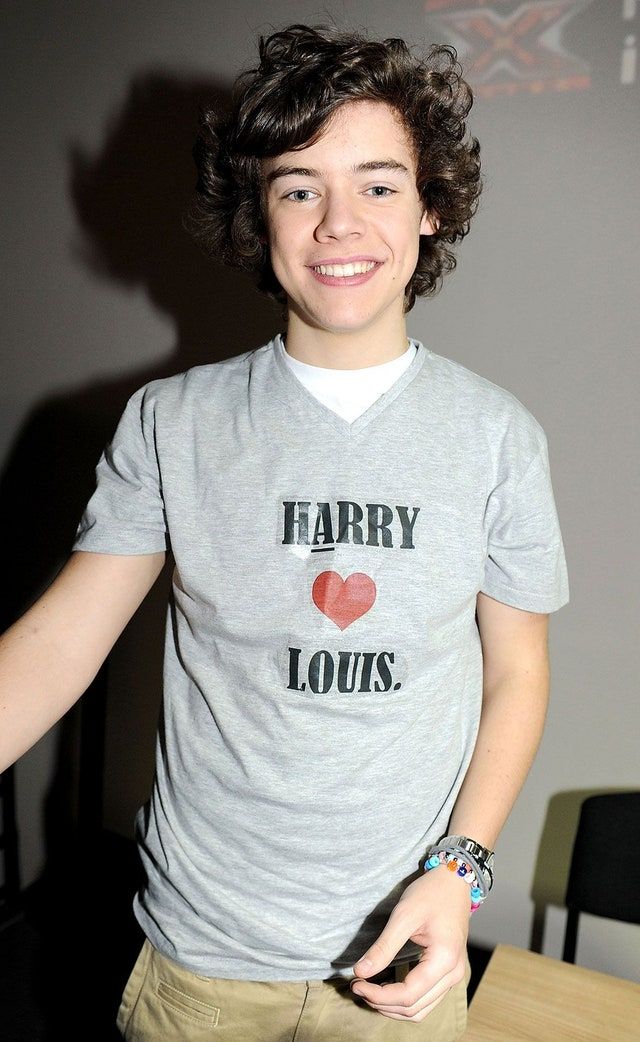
(525, 564)
(126, 513)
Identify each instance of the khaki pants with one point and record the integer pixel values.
(164, 1003)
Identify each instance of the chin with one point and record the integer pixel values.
(349, 316)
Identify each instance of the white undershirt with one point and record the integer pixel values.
(350, 392)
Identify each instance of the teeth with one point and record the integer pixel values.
(343, 270)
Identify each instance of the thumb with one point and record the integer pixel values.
(382, 951)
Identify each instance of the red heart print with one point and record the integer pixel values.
(343, 600)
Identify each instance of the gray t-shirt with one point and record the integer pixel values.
(319, 712)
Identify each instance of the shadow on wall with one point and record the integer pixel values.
(129, 201)
(551, 872)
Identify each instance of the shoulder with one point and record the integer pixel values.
(199, 382)
(486, 408)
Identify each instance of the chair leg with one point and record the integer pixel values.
(570, 936)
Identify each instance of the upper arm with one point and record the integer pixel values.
(513, 640)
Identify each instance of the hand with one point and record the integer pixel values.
(433, 912)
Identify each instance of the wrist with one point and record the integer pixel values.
(454, 865)
(468, 860)
(479, 857)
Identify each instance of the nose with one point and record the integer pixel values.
(341, 216)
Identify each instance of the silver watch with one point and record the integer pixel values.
(482, 855)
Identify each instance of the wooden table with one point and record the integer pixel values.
(524, 997)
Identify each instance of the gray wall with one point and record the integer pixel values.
(104, 292)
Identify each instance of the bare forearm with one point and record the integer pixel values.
(34, 688)
(51, 654)
(511, 727)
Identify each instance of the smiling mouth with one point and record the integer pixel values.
(345, 270)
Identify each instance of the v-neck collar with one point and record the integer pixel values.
(299, 392)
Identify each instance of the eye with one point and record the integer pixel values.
(384, 189)
(298, 191)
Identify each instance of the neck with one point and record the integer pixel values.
(330, 350)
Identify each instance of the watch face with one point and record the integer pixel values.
(481, 851)
(476, 850)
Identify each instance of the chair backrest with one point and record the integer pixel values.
(603, 878)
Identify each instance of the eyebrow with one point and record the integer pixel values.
(358, 168)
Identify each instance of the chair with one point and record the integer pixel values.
(603, 877)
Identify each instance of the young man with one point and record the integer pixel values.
(366, 552)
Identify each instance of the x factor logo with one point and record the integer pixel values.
(511, 51)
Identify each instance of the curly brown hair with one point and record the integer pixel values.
(305, 73)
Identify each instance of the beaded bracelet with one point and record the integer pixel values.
(483, 874)
(463, 869)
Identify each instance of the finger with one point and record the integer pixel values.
(398, 928)
(429, 974)
(394, 998)
(408, 1014)
(405, 1012)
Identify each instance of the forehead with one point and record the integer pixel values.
(357, 130)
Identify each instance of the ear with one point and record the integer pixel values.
(429, 225)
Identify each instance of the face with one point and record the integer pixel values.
(325, 211)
